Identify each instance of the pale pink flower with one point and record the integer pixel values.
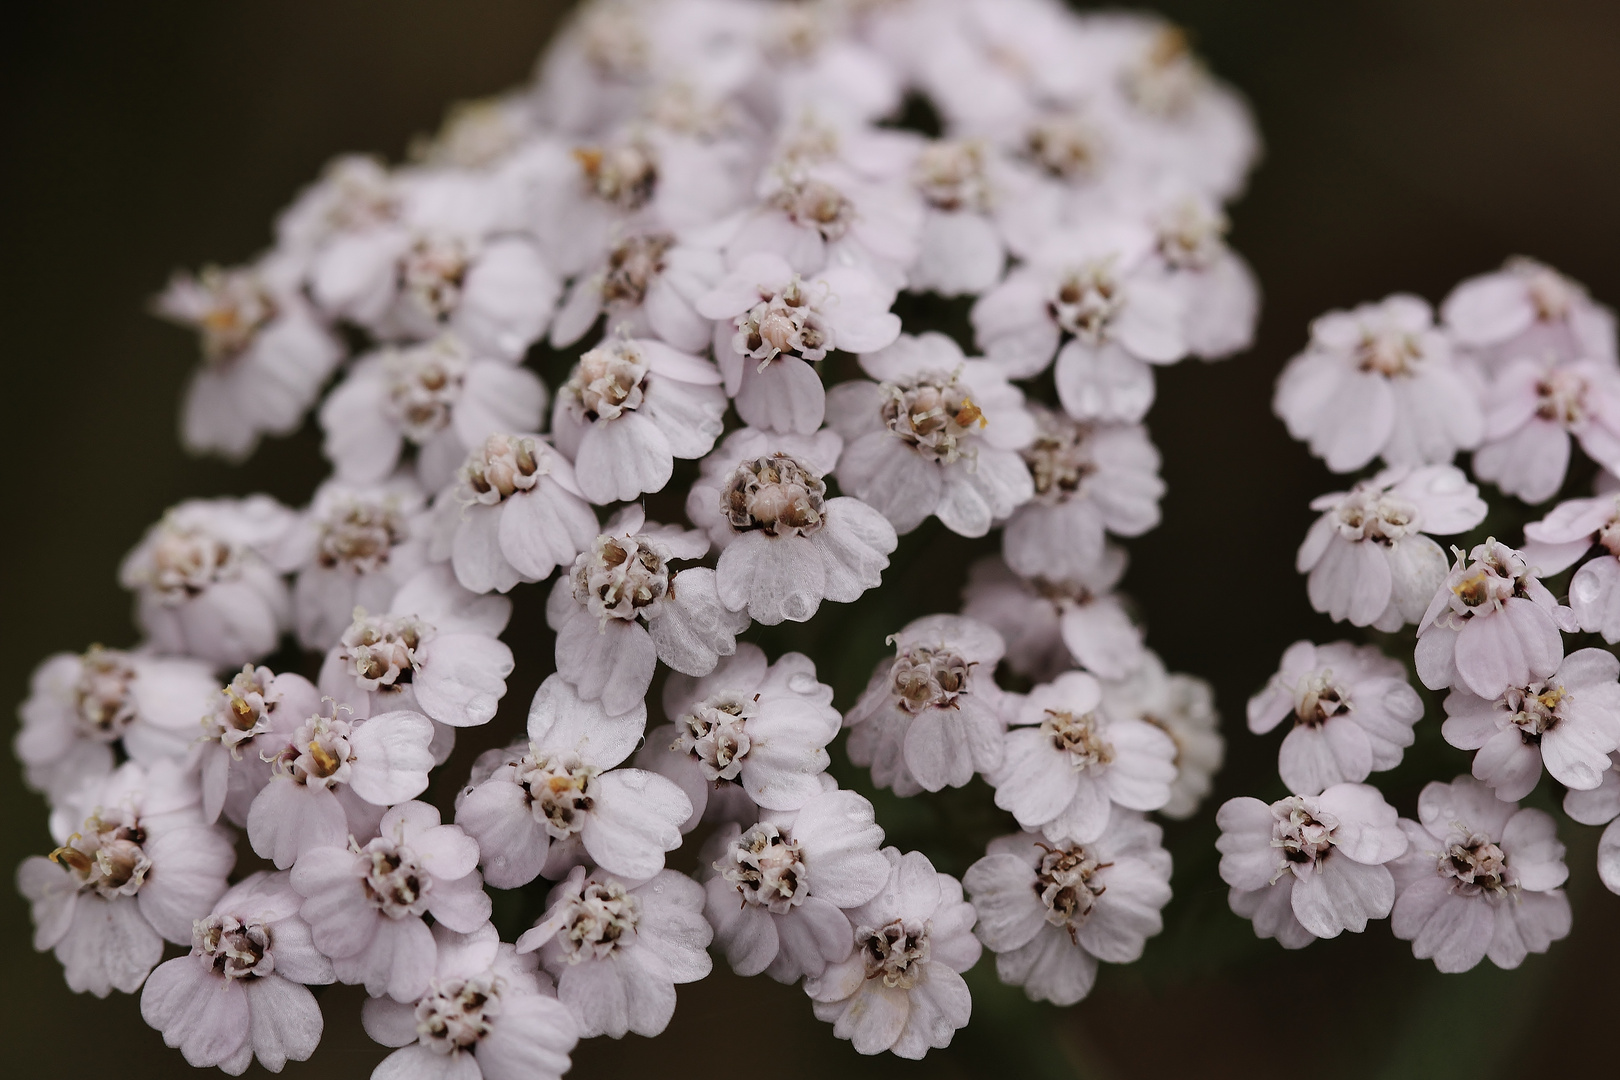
(1050, 626)
(629, 409)
(1352, 710)
(354, 546)
(253, 717)
(1183, 707)
(1310, 866)
(938, 434)
(1569, 721)
(1067, 763)
(775, 890)
(1380, 380)
(785, 546)
(137, 864)
(81, 707)
(1221, 298)
(364, 904)
(931, 717)
(242, 991)
(354, 193)
(1557, 541)
(1491, 625)
(772, 324)
(649, 285)
(1601, 805)
(1050, 913)
(560, 796)
(332, 778)
(1370, 557)
(265, 354)
(901, 989)
(437, 397)
(514, 514)
(434, 648)
(1527, 309)
(1534, 406)
(1090, 479)
(486, 1014)
(619, 948)
(965, 187)
(805, 58)
(1480, 878)
(204, 581)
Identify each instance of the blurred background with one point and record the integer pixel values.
(1410, 143)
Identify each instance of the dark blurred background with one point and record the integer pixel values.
(1409, 143)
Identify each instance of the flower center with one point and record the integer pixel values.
(776, 495)
(1561, 397)
(1079, 736)
(1060, 458)
(621, 578)
(102, 694)
(234, 949)
(433, 272)
(933, 415)
(951, 176)
(456, 1013)
(395, 882)
(815, 204)
(1086, 300)
(1367, 513)
(359, 534)
(1536, 709)
(1063, 882)
(185, 561)
(1166, 80)
(1476, 864)
(894, 953)
(715, 733)
(1066, 147)
(506, 465)
(380, 650)
(632, 265)
(782, 322)
(602, 916)
(236, 308)
(249, 699)
(319, 753)
(623, 176)
(1609, 534)
(1388, 352)
(608, 381)
(1302, 831)
(424, 383)
(1192, 235)
(1317, 699)
(766, 869)
(560, 790)
(929, 678)
(109, 855)
(361, 195)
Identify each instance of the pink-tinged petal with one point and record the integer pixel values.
(542, 529)
(462, 678)
(1470, 720)
(417, 1062)
(1452, 930)
(497, 814)
(560, 720)
(1050, 968)
(1530, 838)
(1103, 383)
(1314, 757)
(1530, 924)
(611, 661)
(1594, 594)
(1608, 857)
(1509, 764)
(288, 818)
(204, 1016)
(286, 1021)
(1436, 656)
(391, 757)
(535, 1035)
(634, 820)
(1010, 910)
(1342, 895)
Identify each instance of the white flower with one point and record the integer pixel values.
(247, 724)
(515, 513)
(1221, 298)
(1491, 625)
(241, 993)
(1569, 721)
(1369, 555)
(265, 354)
(1090, 479)
(332, 778)
(364, 904)
(1557, 541)
(204, 583)
(1310, 867)
(775, 890)
(436, 396)
(938, 434)
(434, 649)
(1068, 763)
(629, 409)
(1049, 626)
(354, 193)
(1352, 710)
(1380, 380)
(901, 989)
(562, 791)
(354, 546)
(785, 546)
(931, 718)
(136, 866)
(1533, 407)
(1601, 805)
(1183, 707)
(618, 949)
(649, 285)
(963, 184)
(1050, 913)
(772, 324)
(80, 707)
(1527, 309)
(1480, 878)
(486, 1015)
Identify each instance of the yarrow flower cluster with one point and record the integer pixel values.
(666, 274)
